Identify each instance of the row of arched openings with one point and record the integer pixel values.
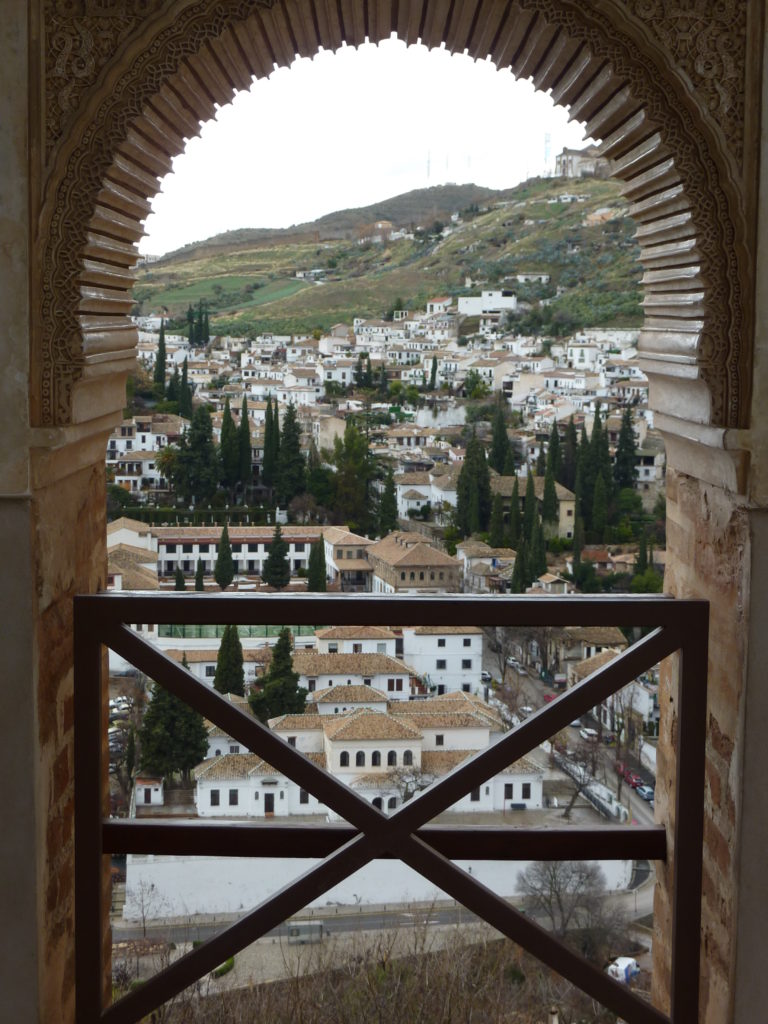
(376, 759)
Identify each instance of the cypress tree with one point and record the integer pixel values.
(197, 464)
(291, 472)
(578, 543)
(206, 328)
(368, 375)
(179, 582)
(549, 498)
(230, 677)
(280, 693)
(185, 393)
(268, 460)
(499, 439)
(159, 371)
(624, 466)
(541, 461)
(538, 556)
(277, 572)
(191, 325)
(641, 562)
(224, 570)
(388, 506)
(354, 471)
(245, 458)
(554, 455)
(519, 579)
(199, 323)
(496, 539)
(359, 372)
(473, 491)
(433, 374)
(173, 735)
(530, 511)
(174, 387)
(229, 449)
(316, 570)
(599, 508)
(570, 454)
(199, 578)
(515, 525)
(509, 463)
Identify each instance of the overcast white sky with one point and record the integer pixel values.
(351, 128)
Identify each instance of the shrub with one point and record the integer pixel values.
(224, 968)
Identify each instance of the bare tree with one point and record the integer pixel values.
(565, 892)
(580, 765)
(409, 780)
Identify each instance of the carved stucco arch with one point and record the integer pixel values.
(669, 142)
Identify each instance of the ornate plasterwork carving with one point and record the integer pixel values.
(81, 37)
(708, 41)
(181, 37)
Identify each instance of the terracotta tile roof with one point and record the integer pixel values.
(310, 663)
(437, 762)
(366, 724)
(410, 549)
(295, 723)
(584, 668)
(237, 534)
(447, 630)
(604, 636)
(340, 535)
(355, 633)
(444, 720)
(351, 694)
(229, 767)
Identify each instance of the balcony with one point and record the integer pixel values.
(406, 835)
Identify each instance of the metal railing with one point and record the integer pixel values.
(677, 626)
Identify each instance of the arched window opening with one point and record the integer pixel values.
(392, 759)
(344, 759)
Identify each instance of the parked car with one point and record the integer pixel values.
(513, 663)
(646, 792)
(549, 697)
(590, 735)
(609, 739)
(576, 723)
(632, 779)
(486, 676)
(524, 711)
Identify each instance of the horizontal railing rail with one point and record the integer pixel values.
(104, 620)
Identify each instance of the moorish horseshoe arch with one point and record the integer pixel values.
(677, 154)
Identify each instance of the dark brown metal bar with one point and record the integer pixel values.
(689, 820)
(272, 912)
(201, 839)
(367, 609)
(89, 920)
(544, 723)
(497, 912)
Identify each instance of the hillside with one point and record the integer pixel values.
(250, 286)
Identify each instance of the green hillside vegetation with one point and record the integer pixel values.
(251, 287)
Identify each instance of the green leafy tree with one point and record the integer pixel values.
(474, 386)
(224, 569)
(179, 581)
(195, 467)
(277, 571)
(230, 677)
(291, 468)
(159, 371)
(229, 450)
(496, 539)
(199, 577)
(316, 569)
(624, 465)
(500, 445)
(388, 506)
(244, 455)
(173, 736)
(280, 693)
(354, 471)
